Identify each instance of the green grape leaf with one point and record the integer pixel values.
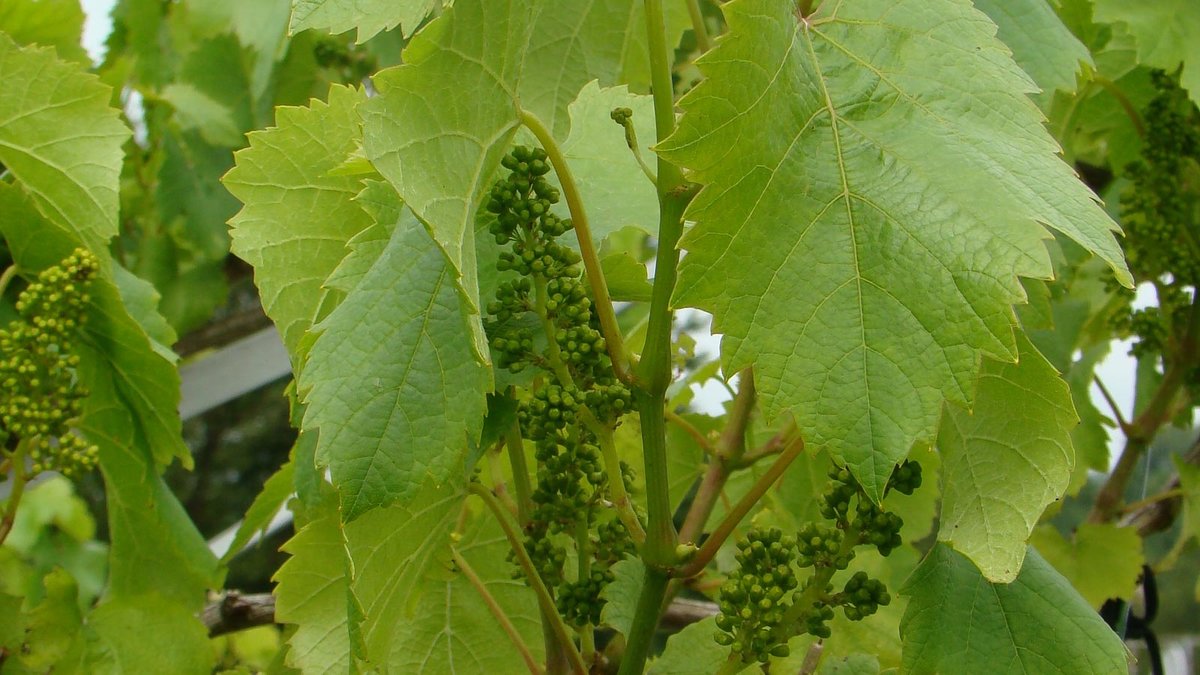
(50, 23)
(131, 413)
(439, 148)
(274, 494)
(957, 622)
(834, 164)
(603, 165)
(1006, 461)
(392, 383)
(444, 632)
(52, 624)
(114, 640)
(1102, 561)
(369, 17)
(383, 558)
(1041, 44)
(297, 217)
(1165, 32)
(620, 596)
(626, 278)
(312, 592)
(693, 651)
(61, 140)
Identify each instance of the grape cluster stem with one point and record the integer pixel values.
(587, 248)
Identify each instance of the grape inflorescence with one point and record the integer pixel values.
(542, 318)
(763, 604)
(42, 395)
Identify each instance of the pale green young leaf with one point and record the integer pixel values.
(392, 383)
(311, 592)
(626, 278)
(835, 165)
(1041, 44)
(620, 596)
(1165, 32)
(297, 218)
(369, 17)
(112, 642)
(692, 651)
(440, 148)
(450, 630)
(958, 622)
(61, 140)
(392, 551)
(1006, 461)
(261, 27)
(610, 181)
(49, 23)
(1101, 561)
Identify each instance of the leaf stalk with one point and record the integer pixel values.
(545, 600)
(497, 611)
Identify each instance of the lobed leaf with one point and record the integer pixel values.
(874, 178)
(1041, 44)
(392, 384)
(298, 217)
(368, 17)
(61, 140)
(1101, 560)
(1004, 462)
(958, 622)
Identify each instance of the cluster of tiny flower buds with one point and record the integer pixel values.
(756, 598)
(42, 395)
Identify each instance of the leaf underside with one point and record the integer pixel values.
(874, 180)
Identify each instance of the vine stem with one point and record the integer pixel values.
(545, 600)
(713, 543)
(1145, 426)
(654, 369)
(721, 463)
(1153, 499)
(612, 465)
(552, 350)
(1122, 100)
(587, 247)
(703, 42)
(1122, 423)
(497, 611)
(692, 431)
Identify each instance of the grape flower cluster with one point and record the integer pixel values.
(763, 604)
(1160, 211)
(42, 395)
(542, 319)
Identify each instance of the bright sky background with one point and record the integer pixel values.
(1116, 371)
